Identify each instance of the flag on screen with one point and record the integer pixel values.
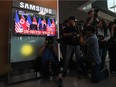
(49, 25)
(53, 25)
(44, 24)
(23, 22)
(34, 20)
(28, 22)
(18, 27)
(40, 24)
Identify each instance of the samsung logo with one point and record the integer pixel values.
(35, 8)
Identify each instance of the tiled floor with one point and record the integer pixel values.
(69, 81)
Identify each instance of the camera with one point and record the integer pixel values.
(49, 40)
(60, 40)
(96, 10)
(100, 37)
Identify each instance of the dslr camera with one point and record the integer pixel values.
(60, 40)
(100, 37)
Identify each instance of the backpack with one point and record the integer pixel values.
(49, 63)
(48, 54)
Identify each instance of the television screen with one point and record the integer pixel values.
(28, 23)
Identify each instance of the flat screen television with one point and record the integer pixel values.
(28, 23)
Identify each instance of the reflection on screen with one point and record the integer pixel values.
(26, 48)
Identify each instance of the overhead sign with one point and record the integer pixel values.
(35, 8)
(32, 7)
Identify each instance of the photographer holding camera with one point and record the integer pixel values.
(93, 18)
(71, 35)
(103, 35)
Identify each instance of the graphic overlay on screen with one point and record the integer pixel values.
(34, 24)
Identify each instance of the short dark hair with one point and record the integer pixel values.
(72, 18)
(65, 21)
(91, 29)
(90, 11)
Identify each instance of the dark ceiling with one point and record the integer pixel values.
(73, 3)
(70, 7)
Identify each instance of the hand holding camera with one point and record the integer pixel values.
(100, 38)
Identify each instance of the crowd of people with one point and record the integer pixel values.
(91, 41)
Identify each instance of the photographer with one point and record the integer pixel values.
(81, 25)
(103, 35)
(93, 18)
(112, 51)
(93, 57)
(71, 35)
(62, 40)
(50, 62)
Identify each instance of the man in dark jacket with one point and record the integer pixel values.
(71, 35)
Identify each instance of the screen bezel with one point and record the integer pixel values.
(33, 12)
